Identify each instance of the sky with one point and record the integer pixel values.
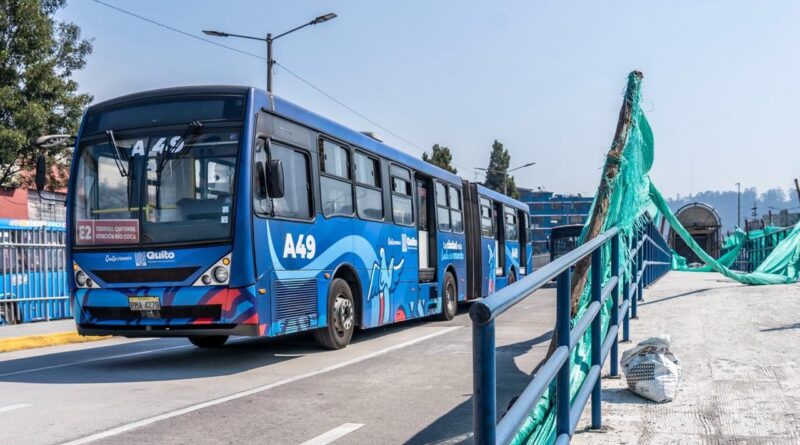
(545, 78)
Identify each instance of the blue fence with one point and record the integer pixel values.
(33, 271)
(650, 259)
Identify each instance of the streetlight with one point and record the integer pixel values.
(505, 174)
(269, 39)
(738, 203)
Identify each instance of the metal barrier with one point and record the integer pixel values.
(756, 250)
(33, 279)
(650, 259)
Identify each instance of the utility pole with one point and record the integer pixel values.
(797, 187)
(739, 203)
(269, 39)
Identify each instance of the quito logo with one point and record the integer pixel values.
(160, 255)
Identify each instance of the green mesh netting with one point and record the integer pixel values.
(633, 201)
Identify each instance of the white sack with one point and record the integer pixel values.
(652, 370)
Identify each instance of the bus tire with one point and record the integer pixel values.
(341, 317)
(449, 298)
(511, 278)
(209, 341)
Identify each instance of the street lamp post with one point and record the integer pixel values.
(269, 39)
(505, 174)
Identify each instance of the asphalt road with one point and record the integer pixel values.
(409, 383)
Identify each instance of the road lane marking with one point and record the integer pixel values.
(334, 434)
(92, 360)
(189, 409)
(5, 409)
(289, 355)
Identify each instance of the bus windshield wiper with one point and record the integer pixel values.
(171, 149)
(120, 156)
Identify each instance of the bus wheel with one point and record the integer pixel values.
(450, 296)
(209, 341)
(341, 317)
(511, 278)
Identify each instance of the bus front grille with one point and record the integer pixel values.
(171, 274)
(295, 299)
(208, 311)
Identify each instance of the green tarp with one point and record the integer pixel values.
(634, 200)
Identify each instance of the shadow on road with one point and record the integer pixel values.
(171, 359)
(455, 427)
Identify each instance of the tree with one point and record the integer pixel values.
(37, 94)
(497, 177)
(440, 157)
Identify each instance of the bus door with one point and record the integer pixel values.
(524, 246)
(426, 232)
(499, 238)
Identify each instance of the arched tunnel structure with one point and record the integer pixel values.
(704, 224)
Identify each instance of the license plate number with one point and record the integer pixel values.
(144, 303)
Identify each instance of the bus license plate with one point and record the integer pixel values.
(144, 303)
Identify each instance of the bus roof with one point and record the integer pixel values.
(300, 115)
(294, 112)
(499, 197)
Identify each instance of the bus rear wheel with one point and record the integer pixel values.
(449, 297)
(341, 318)
(209, 341)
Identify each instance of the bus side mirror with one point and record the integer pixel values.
(41, 172)
(261, 181)
(275, 179)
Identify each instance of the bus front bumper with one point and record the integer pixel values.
(182, 312)
(247, 330)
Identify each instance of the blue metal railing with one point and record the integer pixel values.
(33, 272)
(649, 259)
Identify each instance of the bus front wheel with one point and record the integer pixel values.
(209, 341)
(449, 297)
(341, 318)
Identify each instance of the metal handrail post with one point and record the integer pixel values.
(634, 268)
(596, 290)
(562, 340)
(484, 383)
(615, 272)
(626, 293)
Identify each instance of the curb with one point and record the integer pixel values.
(43, 340)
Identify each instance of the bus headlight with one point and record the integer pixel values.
(216, 274)
(220, 274)
(80, 278)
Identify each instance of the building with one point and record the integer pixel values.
(549, 210)
(21, 203)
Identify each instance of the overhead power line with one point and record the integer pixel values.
(283, 67)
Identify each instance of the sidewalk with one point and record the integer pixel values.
(738, 346)
(38, 328)
(44, 333)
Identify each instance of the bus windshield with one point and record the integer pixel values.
(137, 194)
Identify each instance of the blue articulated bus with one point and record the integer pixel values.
(212, 211)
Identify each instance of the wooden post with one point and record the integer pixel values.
(600, 211)
(610, 171)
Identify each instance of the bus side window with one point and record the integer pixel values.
(487, 226)
(442, 209)
(369, 193)
(296, 201)
(510, 224)
(402, 208)
(456, 218)
(336, 188)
